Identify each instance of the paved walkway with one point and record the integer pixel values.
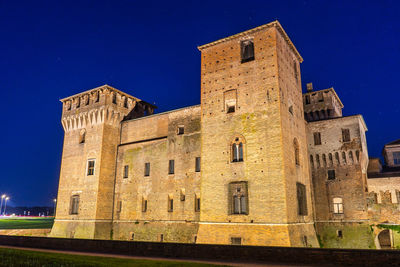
(153, 258)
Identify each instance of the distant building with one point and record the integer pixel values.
(243, 167)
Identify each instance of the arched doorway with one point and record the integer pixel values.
(384, 239)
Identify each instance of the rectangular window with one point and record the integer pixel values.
(338, 205)
(125, 102)
(126, 171)
(196, 203)
(247, 51)
(236, 241)
(147, 169)
(114, 98)
(180, 130)
(90, 166)
(308, 100)
(197, 169)
(171, 166)
(238, 198)
(331, 175)
(170, 204)
(396, 158)
(346, 135)
(295, 70)
(74, 208)
(144, 204)
(230, 108)
(301, 199)
(317, 138)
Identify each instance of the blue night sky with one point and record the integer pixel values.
(50, 50)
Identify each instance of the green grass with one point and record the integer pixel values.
(28, 223)
(15, 257)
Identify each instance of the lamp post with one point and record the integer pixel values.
(55, 204)
(5, 205)
(1, 206)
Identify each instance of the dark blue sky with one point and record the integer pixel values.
(50, 50)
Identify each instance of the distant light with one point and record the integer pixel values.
(7, 198)
(3, 196)
(55, 200)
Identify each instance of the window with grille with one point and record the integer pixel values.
(247, 51)
(126, 171)
(338, 205)
(238, 198)
(301, 199)
(171, 166)
(90, 167)
(346, 135)
(74, 204)
(147, 169)
(317, 138)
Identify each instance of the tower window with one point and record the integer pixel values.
(114, 98)
(90, 167)
(338, 205)
(317, 138)
(125, 102)
(320, 97)
(295, 70)
(196, 203)
(238, 198)
(180, 130)
(74, 208)
(182, 196)
(346, 135)
(296, 152)
(78, 102)
(396, 158)
(147, 169)
(197, 167)
(247, 51)
(97, 97)
(331, 175)
(126, 171)
(144, 204)
(82, 136)
(301, 199)
(308, 100)
(237, 150)
(170, 204)
(171, 166)
(339, 233)
(230, 108)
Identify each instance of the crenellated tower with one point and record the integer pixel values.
(91, 121)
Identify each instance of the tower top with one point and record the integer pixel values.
(275, 24)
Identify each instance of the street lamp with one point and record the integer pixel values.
(5, 205)
(55, 204)
(1, 205)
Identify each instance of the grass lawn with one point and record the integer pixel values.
(26, 223)
(16, 257)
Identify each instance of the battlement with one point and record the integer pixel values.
(99, 105)
(322, 104)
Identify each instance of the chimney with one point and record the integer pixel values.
(309, 87)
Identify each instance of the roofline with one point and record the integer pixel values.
(268, 25)
(344, 117)
(334, 92)
(389, 144)
(162, 113)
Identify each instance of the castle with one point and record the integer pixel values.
(256, 163)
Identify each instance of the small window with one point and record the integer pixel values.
(78, 102)
(147, 169)
(114, 98)
(144, 204)
(296, 74)
(171, 166)
(230, 108)
(170, 204)
(237, 150)
(338, 205)
(308, 100)
(396, 158)
(301, 199)
(247, 51)
(291, 110)
(119, 206)
(238, 198)
(90, 167)
(331, 175)
(125, 102)
(126, 171)
(74, 204)
(132, 236)
(180, 130)
(296, 152)
(197, 167)
(82, 136)
(236, 241)
(182, 196)
(161, 238)
(339, 233)
(317, 138)
(97, 97)
(346, 135)
(197, 203)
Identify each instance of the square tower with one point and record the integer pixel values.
(255, 184)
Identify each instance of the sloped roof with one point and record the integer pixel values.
(396, 142)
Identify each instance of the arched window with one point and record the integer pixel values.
(239, 198)
(237, 150)
(296, 152)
